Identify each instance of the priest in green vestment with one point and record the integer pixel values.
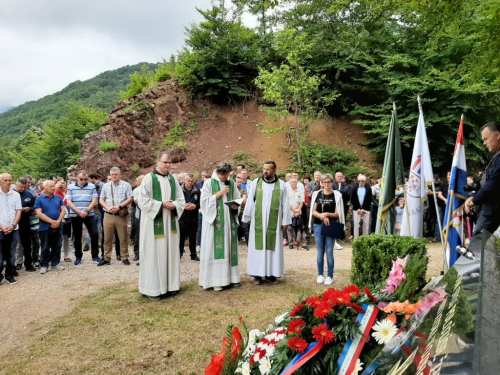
(219, 261)
(268, 211)
(161, 202)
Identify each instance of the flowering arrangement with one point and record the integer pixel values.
(340, 330)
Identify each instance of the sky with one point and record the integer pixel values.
(47, 44)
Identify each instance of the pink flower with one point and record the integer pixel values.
(431, 300)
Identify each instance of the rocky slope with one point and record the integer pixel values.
(213, 133)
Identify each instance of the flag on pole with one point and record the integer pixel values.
(392, 179)
(420, 178)
(454, 215)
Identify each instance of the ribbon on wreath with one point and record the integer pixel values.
(353, 347)
(302, 358)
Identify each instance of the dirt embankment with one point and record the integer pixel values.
(213, 133)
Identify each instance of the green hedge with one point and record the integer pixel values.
(372, 256)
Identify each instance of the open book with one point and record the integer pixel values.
(236, 202)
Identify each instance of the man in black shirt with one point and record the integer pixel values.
(27, 201)
(442, 199)
(188, 222)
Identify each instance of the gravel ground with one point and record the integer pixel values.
(46, 298)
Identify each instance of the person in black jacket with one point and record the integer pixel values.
(361, 199)
(188, 222)
(488, 197)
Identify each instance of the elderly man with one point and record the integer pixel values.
(296, 199)
(189, 220)
(245, 180)
(268, 212)
(161, 202)
(361, 198)
(27, 201)
(81, 198)
(116, 195)
(49, 207)
(10, 214)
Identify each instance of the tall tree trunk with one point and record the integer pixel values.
(297, 134)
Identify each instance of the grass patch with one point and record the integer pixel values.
(118, 331)
(108, 146)
(175, 136)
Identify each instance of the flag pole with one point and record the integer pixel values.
(404, 193)
(435, 199)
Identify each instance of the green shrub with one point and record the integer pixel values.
(139, 82)
(108, 146)
(163, 72)
(326, 158)
(175, 137)
(253, 167)
(134, 168)
(372, 256)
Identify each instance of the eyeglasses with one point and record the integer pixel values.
(165, 162)
(328, 182)
(83, 179)
(361, 182)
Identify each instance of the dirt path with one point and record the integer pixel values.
(38, 300)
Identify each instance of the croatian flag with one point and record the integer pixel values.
(453, 229)
(419, 179)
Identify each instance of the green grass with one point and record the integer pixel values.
(119, 331)
(108, 146)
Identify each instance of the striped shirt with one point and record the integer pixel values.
(81, 197)
(121, 192)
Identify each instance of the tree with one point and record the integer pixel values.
(292, 90)
(221, 57)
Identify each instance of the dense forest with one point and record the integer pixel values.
(318, 58)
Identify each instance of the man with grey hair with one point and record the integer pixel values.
(361, 198)
(116, 195)
(219, 266)
(136, 217)
(10, 214)
(161, 202)
(27, 201)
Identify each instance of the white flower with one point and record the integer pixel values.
(280, 318)
(245, 369)
(384, 331)
(264, 365)
(358, 367)
(270, 350)
(253, 335)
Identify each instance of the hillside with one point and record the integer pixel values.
(213, 133)
(102, 91)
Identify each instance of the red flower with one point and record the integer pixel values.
(356, 308)
(339, 297)
(314, 301)
(298, 344)
(421, 335)
(296, 309)
(296, 326)
(215, 366)
(323, 309)
(352, 290)
(322, 334)
(369, 294)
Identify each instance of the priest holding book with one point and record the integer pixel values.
(219, 265)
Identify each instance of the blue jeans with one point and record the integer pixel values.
(51, 246)
(441, 218)
(324, 244)
(8, 244)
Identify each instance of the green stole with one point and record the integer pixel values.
(159, 227)
(219, 231)
(272, 224)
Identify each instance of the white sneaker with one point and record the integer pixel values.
(328, 281)
(217, 288)
(198, 248)
(320, 279)
(337, 246)
(43, 270)
(59, 267)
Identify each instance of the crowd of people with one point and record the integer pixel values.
(41, 223)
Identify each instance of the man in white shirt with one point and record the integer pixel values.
(296, 199)
(10, 214)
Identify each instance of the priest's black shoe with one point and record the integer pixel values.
(195, 258)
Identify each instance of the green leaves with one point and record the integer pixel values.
(221, 56)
